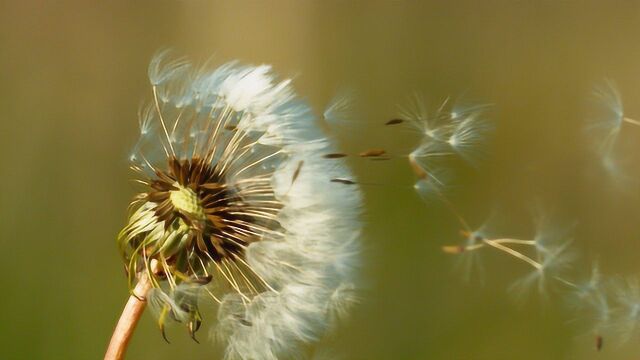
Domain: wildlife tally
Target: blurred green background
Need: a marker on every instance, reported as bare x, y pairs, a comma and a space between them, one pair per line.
73, 73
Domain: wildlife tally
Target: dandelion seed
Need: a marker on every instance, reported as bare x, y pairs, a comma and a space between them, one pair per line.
468, 134
419, 118
340, 109
545, 254
469, 261
453, 249
231, 216
549, 264
433, 183
371, 153
446, 134
467, 252
587, 289
343, 181
334, 156
394, 122
599, 342
589, 299
626, 321
428, 161
606, 123
610, 116
463, 129
552, 255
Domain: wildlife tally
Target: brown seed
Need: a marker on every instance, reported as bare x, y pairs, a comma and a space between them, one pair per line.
334, 156
453, 249
343, 181
157, 196
465, 233
599, 342
211, 186
417, 169
243, 320
202, 280
296, 173
372, 153
394, 122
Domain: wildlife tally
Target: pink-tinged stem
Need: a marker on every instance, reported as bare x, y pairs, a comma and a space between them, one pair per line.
128, 320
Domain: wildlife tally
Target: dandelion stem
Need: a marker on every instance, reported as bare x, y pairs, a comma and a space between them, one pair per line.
485, 242
514, 253
128, 320
515, 241
631, 121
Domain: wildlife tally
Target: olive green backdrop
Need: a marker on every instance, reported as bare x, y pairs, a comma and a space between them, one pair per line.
73, 73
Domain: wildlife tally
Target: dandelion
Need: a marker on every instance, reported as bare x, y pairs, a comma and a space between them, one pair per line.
238, 211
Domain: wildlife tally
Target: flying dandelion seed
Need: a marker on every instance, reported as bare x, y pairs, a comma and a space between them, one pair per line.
605, 307
340, 110
611, 306
589, 300
550, 263
462, 128
626, 319
240, 209
470, 262
606, 123
454, 131
449, 132
547, 253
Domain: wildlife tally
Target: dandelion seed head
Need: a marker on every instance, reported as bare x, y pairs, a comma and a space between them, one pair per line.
239, 210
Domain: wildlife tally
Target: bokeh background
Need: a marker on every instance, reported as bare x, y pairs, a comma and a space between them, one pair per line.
73, 73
